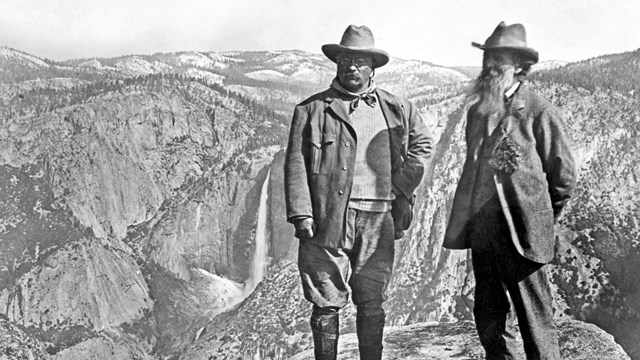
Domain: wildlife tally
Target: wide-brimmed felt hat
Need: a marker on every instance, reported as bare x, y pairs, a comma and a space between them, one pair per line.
358, 40
513, 38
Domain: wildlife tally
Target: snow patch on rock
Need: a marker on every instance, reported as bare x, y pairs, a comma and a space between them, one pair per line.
138, 66
266, 75
548, 65
287, 58
209, 77
202, 60
93, 63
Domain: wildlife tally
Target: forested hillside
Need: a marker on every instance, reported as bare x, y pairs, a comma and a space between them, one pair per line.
617, 72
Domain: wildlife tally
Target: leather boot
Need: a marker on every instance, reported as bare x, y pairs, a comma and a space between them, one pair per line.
369, 327
326, 327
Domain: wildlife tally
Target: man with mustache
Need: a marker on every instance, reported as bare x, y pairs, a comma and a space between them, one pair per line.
355, 156
518, 176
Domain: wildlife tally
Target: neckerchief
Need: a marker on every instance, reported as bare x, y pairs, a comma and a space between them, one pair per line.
368, 96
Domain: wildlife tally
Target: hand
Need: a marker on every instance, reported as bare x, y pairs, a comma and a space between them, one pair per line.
402, 212
305, 228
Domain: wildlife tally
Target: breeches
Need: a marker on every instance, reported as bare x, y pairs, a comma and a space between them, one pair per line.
364, 265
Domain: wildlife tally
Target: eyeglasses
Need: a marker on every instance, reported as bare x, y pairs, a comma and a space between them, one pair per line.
345, 61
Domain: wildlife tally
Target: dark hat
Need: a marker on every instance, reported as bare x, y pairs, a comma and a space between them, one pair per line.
512, 37
358, 40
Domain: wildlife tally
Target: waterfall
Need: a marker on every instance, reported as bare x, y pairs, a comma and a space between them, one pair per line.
236, 293
261, 251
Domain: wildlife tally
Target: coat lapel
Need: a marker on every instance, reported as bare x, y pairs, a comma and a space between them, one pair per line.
339, 109
398, 133
391, 109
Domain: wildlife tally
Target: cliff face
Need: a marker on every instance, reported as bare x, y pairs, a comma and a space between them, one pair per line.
82, 284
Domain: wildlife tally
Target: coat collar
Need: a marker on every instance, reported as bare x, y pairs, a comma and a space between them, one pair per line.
512, 90
335, 104
518, 102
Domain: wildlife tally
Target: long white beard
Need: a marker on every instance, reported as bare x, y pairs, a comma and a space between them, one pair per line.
490, 87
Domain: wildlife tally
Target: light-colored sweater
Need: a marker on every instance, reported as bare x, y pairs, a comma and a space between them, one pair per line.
371, 189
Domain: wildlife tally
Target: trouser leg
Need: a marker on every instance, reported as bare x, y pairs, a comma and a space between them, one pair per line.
325, 326
533, 301
372, 263
507, 283
494, 316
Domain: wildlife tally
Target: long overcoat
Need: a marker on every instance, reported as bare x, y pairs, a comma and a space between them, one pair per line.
533, 195
320, 159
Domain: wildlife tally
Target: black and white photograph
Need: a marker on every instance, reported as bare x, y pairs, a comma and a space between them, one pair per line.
319, 180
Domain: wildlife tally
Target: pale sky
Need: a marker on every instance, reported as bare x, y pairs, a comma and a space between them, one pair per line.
435, 31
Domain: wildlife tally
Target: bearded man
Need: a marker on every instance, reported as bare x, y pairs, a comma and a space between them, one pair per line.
355, 156
518, 176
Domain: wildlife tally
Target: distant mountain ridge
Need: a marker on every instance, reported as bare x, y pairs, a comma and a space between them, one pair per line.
295, 65
290, 76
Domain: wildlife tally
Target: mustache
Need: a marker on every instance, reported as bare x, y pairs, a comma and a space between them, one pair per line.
493, 71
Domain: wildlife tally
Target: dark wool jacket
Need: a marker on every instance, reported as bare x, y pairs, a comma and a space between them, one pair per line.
533, 195
320, 159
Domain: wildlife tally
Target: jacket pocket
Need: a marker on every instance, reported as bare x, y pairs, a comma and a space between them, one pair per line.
322, 154
535, 234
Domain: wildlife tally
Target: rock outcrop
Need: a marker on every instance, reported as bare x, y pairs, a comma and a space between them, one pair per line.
458, 341
263, 328
83, 284
107, 346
